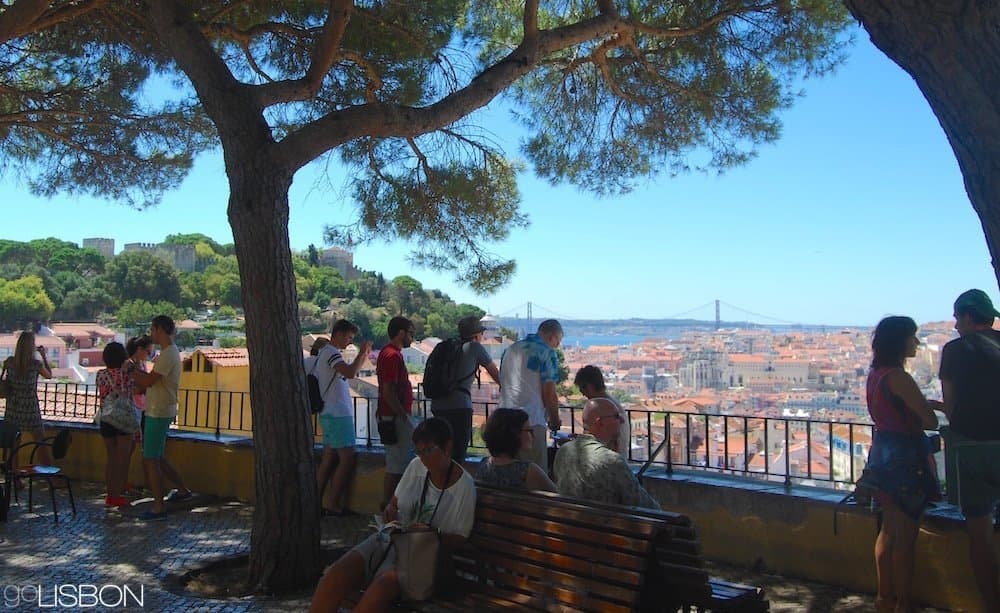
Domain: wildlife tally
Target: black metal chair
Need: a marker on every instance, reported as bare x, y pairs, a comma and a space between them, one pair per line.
51, 474
9, 434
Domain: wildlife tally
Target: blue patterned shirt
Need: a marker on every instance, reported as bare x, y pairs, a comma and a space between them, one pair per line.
525, 366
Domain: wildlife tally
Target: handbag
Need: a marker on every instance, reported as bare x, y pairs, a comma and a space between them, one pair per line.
4, 384
418, 551
387, 431
119, 412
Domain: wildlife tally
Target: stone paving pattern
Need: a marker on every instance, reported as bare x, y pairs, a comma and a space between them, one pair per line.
100, 546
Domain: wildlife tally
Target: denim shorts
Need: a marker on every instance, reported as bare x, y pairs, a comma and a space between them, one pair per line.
338, 432
378, 555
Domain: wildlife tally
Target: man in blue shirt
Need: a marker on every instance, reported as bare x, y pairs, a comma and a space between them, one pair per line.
529, 371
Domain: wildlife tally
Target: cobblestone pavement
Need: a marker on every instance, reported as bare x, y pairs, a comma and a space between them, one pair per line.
107, 547
102, 547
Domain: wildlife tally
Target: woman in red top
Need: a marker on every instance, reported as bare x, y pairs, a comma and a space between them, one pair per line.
898, 458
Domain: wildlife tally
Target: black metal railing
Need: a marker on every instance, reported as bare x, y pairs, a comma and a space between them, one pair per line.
782, 449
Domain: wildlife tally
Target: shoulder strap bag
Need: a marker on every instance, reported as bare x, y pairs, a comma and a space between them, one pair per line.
117, 408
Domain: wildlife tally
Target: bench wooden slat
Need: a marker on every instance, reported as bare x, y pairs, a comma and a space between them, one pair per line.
543, 542
685, 546
679, 558
589, 506
620, 521
582, 565
492, 598
594, 585
514, 522
540, 589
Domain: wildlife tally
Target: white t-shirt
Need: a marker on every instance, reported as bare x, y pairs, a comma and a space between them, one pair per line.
458, 503
161, 398
333, 385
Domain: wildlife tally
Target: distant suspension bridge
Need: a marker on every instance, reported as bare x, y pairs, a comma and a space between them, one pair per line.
531, 314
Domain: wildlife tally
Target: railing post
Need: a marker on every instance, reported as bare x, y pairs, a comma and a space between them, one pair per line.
667, 424
829, 445
767, 448
218, 416
746, 446
809, 448
725, 442
788, 460
850, 453
368, 420
650, 454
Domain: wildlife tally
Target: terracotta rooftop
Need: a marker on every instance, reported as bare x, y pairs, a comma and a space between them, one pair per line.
237, 356
87, 329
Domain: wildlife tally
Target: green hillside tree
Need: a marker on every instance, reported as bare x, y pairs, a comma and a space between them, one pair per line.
136, 314
23, 301
85, 302
140, 275
609, 92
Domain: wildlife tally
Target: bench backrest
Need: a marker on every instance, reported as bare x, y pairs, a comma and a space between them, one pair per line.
547, 551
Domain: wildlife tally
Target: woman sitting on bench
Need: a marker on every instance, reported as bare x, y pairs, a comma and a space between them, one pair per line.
505, 434
449, 505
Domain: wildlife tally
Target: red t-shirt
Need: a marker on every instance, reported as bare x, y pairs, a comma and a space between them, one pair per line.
390, 366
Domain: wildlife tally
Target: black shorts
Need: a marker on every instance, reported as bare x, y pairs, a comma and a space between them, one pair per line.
109, 431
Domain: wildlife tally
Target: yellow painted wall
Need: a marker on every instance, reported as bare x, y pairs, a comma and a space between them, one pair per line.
205, 465
209, 398
767, 528
794, 536
225, 470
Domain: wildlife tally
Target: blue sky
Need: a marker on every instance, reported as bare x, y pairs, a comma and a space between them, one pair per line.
858, 211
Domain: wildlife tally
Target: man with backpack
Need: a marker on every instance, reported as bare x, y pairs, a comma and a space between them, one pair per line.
970, 382
337, 417
448, 376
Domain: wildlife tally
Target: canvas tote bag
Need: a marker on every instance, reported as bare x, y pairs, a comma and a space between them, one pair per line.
418, 551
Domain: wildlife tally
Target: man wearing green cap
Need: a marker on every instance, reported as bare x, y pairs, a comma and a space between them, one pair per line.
970, 382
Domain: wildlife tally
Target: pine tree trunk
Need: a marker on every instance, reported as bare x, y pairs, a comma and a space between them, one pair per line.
285, 536
951, 48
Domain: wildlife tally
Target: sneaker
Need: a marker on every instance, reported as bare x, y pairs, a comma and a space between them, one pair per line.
176, 496
116, 501
153, 516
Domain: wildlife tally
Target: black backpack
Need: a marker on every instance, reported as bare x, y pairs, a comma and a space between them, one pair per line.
316, 401
440, 372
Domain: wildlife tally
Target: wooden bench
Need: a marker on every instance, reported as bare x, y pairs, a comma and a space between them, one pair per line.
679, 574
542, 552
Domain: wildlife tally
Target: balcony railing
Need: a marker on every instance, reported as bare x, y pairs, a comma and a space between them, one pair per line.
781, 449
